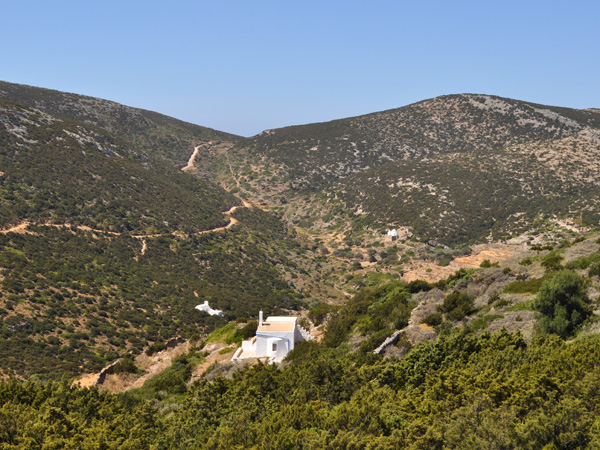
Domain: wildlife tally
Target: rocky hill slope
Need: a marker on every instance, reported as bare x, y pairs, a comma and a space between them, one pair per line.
156, 133
106, 245
455, 168
105, 248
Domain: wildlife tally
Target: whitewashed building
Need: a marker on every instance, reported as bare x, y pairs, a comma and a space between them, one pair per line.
207, 309
393, 234
275, 338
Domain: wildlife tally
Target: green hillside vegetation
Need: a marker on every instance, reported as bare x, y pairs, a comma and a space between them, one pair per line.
454, 168
520, 392
106, 247
156, 133
372, 312
477, 299
436, 198
315, 154
72, 298
462, 391
111, 257
61, 171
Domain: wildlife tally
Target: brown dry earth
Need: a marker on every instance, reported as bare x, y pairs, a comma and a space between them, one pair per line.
431, 272
151, 365
213, 358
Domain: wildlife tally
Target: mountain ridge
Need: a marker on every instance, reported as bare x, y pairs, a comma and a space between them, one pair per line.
450, 171
167, 137
323, 161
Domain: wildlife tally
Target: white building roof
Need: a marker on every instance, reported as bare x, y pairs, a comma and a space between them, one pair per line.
277, 323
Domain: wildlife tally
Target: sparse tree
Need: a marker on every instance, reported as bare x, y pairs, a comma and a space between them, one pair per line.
563, 303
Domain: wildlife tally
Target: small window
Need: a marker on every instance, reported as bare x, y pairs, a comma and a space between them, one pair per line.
274, 346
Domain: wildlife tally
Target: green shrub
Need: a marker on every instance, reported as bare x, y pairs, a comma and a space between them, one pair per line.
433, 320
417, 286
375, 340
482, 322
594, 270
445, 261
530, 286
303, 350
503, 302
563, 303
318, 313
155, 348
171, 380
126, 365
457, 305
583, 263
495, 296
552, 261
455, 278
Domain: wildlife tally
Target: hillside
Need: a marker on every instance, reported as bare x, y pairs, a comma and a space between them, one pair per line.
96, 225
456, 169
107, 243
105, 248
457, 377
155, 133
62, 171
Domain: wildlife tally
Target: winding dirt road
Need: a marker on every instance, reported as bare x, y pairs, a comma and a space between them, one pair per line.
22, 227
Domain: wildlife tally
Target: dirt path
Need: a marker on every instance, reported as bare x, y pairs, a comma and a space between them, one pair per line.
21, 228
237, 182
88, 380
190, 164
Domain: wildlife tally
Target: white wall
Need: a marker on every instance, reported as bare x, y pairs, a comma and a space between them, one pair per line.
264, 344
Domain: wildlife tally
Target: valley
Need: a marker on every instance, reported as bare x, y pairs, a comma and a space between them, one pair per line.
477, 317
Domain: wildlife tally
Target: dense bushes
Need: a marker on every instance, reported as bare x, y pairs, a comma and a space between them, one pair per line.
518, 395
376, 163
55, 415
93, 296
371, 311
70, 173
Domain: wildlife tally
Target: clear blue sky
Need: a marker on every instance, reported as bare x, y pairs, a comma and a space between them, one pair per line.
245, 66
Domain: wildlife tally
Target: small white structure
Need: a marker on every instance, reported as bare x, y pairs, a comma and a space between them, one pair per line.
275, 338
393, 234
213, 312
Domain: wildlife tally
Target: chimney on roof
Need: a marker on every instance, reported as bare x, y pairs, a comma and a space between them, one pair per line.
260, 318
